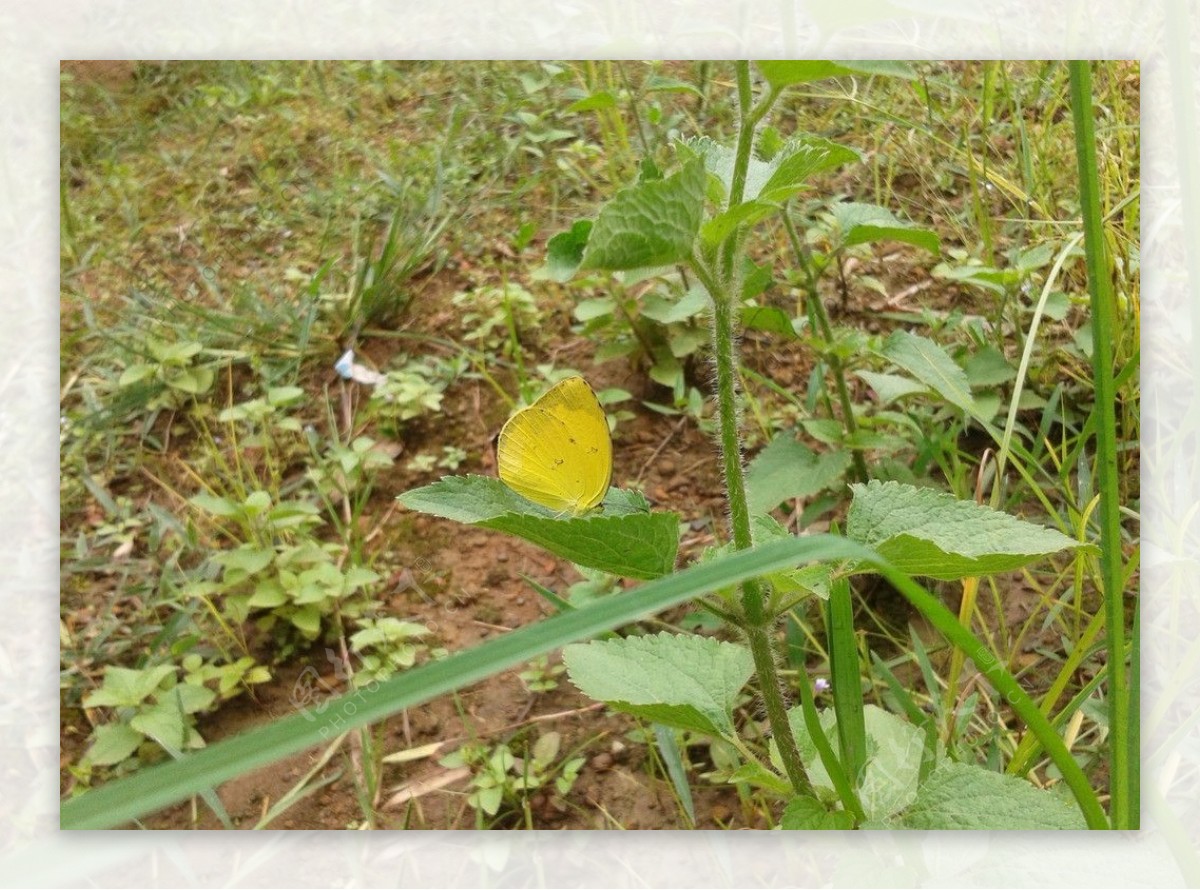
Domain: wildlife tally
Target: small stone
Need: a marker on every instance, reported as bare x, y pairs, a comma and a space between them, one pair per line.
602, 762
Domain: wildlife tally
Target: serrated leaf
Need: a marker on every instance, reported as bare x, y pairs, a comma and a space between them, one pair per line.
652, 223
967, 797
787, 469
926, 532
164, 722
890, 387
809, 814
679, 680
128, 687
193, 697
564, 252
308, 621
799, 160
864, 223
112, 743
930, 364
624, 540
247, 559
640, 546
768, 183
894, 751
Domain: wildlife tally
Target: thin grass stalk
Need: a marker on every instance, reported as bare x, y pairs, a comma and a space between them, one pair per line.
1123, 805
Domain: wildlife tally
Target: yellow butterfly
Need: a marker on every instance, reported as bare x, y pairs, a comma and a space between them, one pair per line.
558, 451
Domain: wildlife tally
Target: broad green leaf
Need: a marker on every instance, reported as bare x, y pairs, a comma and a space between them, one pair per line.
127, 687
193, 697
894, 751
967, 797
217, 506
768, 183
809, 814
564, 252
664, 311
596, 101
625, 540
787, 469
780, 73
284, 395
246, 559
164, 722
652, 223
112, 743
679, 680
864, 223
135, 374
890, 387
930, 364
770, 319
799, 160
193, 381
989, 367
308, 621
926, 532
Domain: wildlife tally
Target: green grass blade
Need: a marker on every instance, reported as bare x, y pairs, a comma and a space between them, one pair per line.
668, 749
1124, 805
845, 680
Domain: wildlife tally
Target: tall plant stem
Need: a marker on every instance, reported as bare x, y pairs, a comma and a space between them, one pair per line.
1124, 806
722, 286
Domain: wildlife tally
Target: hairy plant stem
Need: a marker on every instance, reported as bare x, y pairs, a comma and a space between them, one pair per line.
722, 286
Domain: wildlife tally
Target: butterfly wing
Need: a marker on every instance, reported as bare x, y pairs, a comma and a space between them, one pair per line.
558, 452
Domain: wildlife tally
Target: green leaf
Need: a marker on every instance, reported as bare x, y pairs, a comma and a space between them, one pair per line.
112, 743
635, 546
864, 223
768, 183
770, 319
930, 364
164, 722
193, 697
564, 252
217, 506
127, 687
894, 751
246, 559
780, 74
135, 374
598, 100
890, 387
268, 594
624, 541
652, 223
657, 83
308, 621
664, 311
989, 367
809, 814
926, 532
967, 797
800, 159
280, 396
787, 469
684, 681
